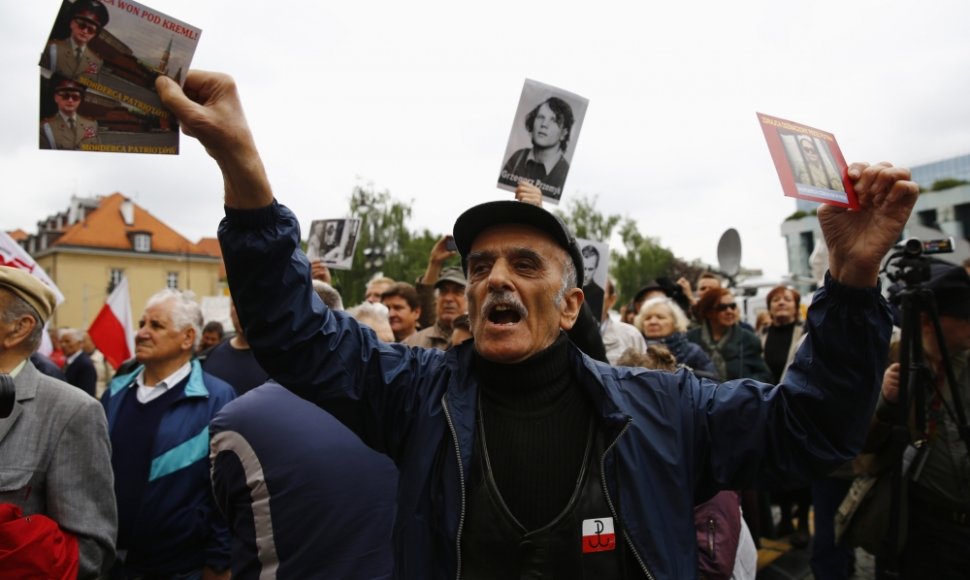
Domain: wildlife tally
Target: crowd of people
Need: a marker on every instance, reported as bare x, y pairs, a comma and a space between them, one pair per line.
478, 422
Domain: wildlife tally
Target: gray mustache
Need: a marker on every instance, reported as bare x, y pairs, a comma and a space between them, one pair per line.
503, 298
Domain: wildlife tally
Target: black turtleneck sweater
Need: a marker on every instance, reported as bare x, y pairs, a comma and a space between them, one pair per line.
536, 419
777, 345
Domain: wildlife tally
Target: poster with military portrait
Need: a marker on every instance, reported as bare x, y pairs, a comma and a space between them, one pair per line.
543, 139
809, 162
333, 242
97, 77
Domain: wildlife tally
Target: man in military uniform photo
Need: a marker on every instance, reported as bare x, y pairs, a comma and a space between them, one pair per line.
66, 129
71, 57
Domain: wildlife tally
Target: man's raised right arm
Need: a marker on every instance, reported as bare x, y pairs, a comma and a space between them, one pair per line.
209, 109
322, 356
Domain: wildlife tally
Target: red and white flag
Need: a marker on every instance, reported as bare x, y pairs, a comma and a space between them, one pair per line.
11, 254
111, 330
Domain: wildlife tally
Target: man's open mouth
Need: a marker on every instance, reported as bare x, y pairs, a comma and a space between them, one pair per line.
505, 313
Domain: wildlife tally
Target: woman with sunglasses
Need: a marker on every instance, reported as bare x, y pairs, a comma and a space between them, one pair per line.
735, 351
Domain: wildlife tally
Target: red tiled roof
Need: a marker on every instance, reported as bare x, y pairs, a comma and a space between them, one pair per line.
212, 247
105, 227
18, 235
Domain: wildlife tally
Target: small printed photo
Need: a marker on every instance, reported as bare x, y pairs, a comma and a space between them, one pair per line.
115, 50
809, 162
543, 139
596, 265
333, 241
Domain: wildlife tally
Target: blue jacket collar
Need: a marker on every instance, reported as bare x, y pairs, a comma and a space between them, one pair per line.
194, 388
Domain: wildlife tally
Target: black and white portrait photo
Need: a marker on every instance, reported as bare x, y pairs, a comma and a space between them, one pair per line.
332, 241
596, 265
543, 139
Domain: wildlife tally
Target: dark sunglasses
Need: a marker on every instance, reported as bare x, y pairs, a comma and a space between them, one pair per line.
723, 307
86, 25
69, 95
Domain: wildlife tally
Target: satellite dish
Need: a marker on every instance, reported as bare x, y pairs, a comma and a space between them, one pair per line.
729, 253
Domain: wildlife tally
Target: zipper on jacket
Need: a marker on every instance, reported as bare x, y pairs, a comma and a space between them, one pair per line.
711, 531
461, 481
609, 501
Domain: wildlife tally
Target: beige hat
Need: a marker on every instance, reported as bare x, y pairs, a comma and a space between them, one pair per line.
30, 289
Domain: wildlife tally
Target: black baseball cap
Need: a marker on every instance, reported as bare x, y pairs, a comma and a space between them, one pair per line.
951, 287
481, 217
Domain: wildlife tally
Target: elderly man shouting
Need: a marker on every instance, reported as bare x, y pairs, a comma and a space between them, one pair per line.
520, 456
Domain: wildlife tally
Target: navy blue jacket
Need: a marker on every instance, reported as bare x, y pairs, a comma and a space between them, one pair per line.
672, 438
303, 496
82, 374
690, 354
188, 530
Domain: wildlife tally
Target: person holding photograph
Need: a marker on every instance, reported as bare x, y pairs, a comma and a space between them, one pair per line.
520, 456
71, 57
543, 164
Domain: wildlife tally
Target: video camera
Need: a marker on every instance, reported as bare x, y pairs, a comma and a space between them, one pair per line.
910, 263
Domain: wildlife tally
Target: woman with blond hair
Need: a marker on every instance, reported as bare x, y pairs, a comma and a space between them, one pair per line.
661, 320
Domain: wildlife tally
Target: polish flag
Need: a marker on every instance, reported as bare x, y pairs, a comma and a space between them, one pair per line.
598, 535
111, 329
14, 256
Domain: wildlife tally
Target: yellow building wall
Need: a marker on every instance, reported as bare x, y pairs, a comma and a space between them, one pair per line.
83, 279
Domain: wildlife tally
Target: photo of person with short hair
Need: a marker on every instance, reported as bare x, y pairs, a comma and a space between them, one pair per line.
551, 119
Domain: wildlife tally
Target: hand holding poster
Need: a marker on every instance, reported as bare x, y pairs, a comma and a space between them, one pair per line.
543, 139
809, 162
333, 242
98, 74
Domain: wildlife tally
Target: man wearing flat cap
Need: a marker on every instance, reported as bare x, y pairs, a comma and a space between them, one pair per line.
520, 456
71, 57
55, 458
66, 129
938, 526
448, 292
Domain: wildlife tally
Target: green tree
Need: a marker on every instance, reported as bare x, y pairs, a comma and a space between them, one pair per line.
639, 259
385, 243
947, 183
586, 221
644, 259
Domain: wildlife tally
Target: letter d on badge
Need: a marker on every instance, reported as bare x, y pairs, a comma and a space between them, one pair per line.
598, 535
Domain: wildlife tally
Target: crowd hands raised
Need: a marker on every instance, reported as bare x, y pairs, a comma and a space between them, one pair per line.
493, 343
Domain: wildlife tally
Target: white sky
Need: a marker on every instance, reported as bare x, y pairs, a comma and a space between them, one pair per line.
418, 98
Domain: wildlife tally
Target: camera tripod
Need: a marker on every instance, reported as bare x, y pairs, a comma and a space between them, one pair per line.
917, 304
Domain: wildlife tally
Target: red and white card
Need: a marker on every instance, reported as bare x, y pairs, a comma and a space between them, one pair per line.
809, 162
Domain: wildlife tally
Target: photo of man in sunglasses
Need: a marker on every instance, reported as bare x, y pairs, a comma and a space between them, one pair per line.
71, 57
66, 129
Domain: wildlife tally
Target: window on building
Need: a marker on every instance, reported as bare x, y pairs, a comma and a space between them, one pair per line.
928, 218
114, 279
142, 242
172, 280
